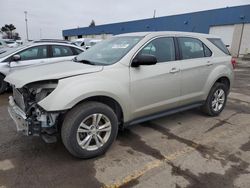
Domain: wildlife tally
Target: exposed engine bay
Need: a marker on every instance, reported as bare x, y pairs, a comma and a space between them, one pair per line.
38, 122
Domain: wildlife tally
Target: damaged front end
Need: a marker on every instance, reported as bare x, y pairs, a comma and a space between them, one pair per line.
29, 117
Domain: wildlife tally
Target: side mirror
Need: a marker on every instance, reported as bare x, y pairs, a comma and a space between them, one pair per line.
16, 57
144, 60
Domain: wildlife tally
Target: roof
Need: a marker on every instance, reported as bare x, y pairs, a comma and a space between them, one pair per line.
171, 33
191, 22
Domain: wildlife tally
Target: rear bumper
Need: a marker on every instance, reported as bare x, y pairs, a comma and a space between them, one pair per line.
18, 116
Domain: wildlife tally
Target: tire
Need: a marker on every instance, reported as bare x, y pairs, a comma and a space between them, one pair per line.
85, 113
3, 84
209, 107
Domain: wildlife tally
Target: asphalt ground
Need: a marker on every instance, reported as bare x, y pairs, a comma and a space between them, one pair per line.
187, 149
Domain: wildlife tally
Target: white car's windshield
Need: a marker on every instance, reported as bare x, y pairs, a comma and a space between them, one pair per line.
7, 51
109, 51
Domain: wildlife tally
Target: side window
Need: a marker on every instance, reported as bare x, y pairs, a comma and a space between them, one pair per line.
38, 52
61, 51
191, 48
162, 48
219, 44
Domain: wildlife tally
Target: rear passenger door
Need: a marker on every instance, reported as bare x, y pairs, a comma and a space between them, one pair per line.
195, 65
61, 53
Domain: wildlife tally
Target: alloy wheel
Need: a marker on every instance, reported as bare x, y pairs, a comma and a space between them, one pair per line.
93, 132
218, 100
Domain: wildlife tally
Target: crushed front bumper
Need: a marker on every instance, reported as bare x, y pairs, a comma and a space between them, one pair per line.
19, 117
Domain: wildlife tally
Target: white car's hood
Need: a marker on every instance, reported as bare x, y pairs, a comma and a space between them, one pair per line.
59, 70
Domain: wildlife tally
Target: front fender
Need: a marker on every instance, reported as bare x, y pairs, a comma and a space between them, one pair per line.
71, 91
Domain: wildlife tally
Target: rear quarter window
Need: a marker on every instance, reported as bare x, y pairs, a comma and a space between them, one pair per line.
219, 44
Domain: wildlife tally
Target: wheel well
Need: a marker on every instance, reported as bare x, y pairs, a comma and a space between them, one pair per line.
224, 80
113, 104
1, 74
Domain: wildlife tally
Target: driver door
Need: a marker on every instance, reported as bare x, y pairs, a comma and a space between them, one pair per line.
31, 56
156, 88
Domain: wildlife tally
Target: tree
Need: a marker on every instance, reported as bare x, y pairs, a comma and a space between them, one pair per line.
92, 24
8, 31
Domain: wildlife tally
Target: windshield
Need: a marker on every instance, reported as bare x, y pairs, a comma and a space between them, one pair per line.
10, 42
109, 51
7, 51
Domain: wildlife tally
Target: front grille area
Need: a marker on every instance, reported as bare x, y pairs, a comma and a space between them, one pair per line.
18, 97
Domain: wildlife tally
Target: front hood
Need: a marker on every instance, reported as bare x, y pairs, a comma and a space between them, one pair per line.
53, 71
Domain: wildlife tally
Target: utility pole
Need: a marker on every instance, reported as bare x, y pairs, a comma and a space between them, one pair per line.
154, 13
40, 33
26, 21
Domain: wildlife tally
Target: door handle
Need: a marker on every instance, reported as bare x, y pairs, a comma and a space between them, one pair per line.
174, 70
209, 63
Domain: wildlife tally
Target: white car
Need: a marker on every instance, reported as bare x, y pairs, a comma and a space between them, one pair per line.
82, 42
3, 44
11, 43
34, 54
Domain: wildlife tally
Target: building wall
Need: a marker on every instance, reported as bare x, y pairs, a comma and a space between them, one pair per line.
237, 37
216, 20
225, 32
194, 22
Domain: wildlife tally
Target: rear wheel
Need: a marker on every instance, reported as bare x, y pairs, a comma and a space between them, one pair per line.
216, 100
3, 84
89, 129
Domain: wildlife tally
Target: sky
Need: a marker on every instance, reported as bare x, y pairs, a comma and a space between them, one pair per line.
47, 18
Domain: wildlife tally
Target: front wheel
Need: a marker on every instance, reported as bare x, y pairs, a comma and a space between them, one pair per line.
89, 129
216, 100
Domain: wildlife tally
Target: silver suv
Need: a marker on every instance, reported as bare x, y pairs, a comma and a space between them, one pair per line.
126, 80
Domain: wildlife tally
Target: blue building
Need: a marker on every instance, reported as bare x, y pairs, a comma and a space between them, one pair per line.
231, 23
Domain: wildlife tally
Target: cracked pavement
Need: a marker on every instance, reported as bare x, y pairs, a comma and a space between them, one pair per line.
187, 149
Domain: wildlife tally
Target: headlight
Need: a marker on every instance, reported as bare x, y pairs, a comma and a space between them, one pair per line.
40, 90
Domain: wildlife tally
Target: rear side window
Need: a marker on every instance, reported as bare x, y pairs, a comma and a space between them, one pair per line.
61, 51
219, 44
191, 48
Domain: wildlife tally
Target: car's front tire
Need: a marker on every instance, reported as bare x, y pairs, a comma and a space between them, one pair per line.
89, 129
3, 84
216, 100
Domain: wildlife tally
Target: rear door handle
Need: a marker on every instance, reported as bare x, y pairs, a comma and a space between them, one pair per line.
209, 63
174, 70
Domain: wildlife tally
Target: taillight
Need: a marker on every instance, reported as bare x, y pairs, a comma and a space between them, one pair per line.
233, 61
